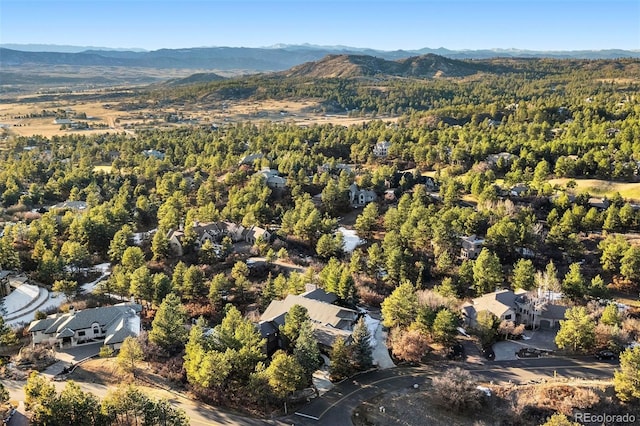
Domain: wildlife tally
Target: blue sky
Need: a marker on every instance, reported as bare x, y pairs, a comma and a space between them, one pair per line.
387, 25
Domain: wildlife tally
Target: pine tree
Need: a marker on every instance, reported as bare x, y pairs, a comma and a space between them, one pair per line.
577, 330
293, 321
524, 275
340, 367
610, 315
445, 327
487, 272
167, 328
361, 352
626, 380
399, 309
285, 374
130, 354
306, 351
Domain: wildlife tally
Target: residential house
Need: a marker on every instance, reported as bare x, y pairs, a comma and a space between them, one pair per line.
500, 303
5, 289
334, 169
250, 159
430, 184
212, 231
381, 149
256, 233
533, 309
360, 197
519, 190
65, 121
599, 203
273, 179
329, 321
471, 247
108, 324
153, 153
505, 157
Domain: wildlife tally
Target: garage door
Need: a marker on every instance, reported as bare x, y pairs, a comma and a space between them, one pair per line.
546, 324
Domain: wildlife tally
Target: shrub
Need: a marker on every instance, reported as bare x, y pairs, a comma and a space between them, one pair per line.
456, 390
106, 352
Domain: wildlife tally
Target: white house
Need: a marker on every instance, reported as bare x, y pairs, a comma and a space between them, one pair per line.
107, 324
360, 197
471, 247
273, 179
381, 149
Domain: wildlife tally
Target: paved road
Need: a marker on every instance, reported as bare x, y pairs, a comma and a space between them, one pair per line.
335, 407
199, 414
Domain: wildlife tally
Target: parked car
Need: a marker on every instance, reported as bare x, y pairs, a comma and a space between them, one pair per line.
456, 352
489, 353
605, 354
530, 353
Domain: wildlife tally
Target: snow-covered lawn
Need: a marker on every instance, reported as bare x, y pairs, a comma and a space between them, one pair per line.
53, 300
381, 356
19, 298
138, 237
351, 239
104, 269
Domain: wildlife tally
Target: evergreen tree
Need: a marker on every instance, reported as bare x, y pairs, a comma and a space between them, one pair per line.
399, 309
293, 321
340, 367
306, 351
365, 223
130, 354
573, 285
161, 287
160, 246
524, 275
361, 352
577, 330
284, 373
626, 380
487, 272
445, 327
610, 315
167, 329
121, 240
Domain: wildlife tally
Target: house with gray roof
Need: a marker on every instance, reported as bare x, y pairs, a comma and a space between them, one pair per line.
107, 324
531, 308
329, 321
212, 231
361, 197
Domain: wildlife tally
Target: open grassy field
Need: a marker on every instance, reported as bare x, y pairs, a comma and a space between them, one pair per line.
602, 188
21, 115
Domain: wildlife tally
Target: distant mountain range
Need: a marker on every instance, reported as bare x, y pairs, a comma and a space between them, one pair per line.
274, 58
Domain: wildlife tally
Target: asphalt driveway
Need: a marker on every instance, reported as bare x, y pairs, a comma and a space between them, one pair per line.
538, 339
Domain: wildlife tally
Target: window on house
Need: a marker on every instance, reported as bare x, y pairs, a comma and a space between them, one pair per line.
81, 333
507, 317
96, 329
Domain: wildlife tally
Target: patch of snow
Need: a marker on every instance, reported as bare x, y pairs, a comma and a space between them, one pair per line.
372, 325
462, 331
19, 298
104, 268
351, 239
54, 300
138, 237
484, 390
